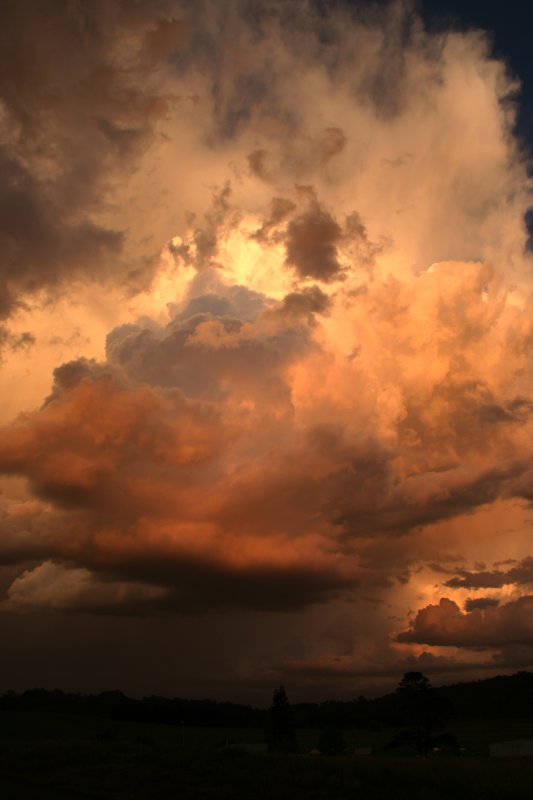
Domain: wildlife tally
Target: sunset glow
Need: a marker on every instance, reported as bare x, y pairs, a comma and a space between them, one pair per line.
267, 333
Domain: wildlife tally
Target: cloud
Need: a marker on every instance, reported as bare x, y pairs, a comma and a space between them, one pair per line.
219, 455
173, 587
14, 342
445, 624
216, 345
494, 579
312, 245
51, 586
146, 494
325, 382
116, 99
25, 535
481, 603
388, 665
75, 119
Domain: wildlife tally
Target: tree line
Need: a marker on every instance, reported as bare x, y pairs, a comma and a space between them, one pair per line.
502, 697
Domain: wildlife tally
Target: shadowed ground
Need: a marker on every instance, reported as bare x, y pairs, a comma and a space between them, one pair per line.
49, 756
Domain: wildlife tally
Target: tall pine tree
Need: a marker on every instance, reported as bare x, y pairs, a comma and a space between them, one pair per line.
280, 735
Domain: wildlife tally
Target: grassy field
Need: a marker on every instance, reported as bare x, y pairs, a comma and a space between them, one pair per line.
48, 756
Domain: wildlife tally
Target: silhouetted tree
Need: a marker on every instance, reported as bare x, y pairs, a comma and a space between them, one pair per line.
280, 735
413, 684
422, 711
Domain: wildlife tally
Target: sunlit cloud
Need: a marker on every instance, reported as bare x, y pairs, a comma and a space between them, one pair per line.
273, 352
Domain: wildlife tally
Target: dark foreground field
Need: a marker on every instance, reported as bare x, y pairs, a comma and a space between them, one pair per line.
51, 756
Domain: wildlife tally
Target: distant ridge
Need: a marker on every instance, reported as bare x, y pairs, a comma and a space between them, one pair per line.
500, 697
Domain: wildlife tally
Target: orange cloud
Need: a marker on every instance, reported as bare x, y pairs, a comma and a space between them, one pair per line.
307, 248
446, 624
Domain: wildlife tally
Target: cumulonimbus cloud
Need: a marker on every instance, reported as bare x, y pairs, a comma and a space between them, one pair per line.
221, 446
343, 357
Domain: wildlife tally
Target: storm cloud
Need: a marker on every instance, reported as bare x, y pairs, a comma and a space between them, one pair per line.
445, 624
267, 304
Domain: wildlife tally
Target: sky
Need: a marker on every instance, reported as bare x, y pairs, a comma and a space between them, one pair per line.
265, 337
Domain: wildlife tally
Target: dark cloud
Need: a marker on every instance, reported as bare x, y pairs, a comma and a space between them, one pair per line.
344, 669
42, 242
246, 84
478, 580
311, 245
481, 603
202, 251
196, 584
152, 585
332, 142
26, 535
312, 237
437, 497
69, 375
280, 209
74, 117
306, 156
310, 300
15, 341
494, 579
256, 162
